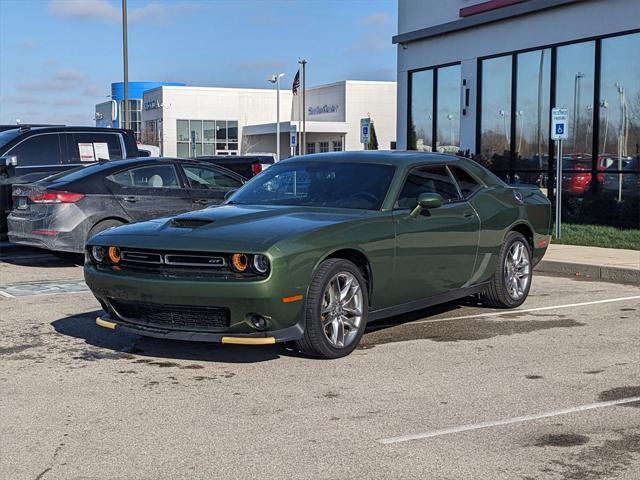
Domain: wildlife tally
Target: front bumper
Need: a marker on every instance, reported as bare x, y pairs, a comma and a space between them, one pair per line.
257, 338
284, 320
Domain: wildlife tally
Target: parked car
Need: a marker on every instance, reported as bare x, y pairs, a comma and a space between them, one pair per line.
316, 246
625, 186
29, 153
61, 212
246, 165
577, 179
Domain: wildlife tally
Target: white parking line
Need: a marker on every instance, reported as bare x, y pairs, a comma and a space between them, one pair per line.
525, 310
7, 295
506, 421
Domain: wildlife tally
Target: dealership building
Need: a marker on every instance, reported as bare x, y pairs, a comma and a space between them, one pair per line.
192, 121
109, 114
482, 78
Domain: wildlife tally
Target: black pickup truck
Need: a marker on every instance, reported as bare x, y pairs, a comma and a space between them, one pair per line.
29, 153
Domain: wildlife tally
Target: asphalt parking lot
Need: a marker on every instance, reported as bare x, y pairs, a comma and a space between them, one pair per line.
551, 390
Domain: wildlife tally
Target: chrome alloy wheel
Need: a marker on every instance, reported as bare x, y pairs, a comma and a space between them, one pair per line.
517, 270
341, 311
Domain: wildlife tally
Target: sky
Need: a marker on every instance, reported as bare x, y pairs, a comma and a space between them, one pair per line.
59, 57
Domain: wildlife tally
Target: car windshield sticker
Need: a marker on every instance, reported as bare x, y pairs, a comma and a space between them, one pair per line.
86, 152
101, 150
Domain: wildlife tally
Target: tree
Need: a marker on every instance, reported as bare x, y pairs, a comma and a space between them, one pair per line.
373, 139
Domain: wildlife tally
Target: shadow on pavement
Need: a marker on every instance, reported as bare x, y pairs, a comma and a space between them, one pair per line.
83, 326
23, 256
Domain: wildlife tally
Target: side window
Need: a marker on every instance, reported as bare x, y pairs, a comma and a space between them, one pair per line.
151, 176
208, 178
432, 178
91, 147
468, 185
38, 150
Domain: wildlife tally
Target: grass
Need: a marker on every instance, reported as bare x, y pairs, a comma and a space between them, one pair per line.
599, 236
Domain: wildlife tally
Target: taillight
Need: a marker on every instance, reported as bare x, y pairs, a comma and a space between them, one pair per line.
256, 168
56, 197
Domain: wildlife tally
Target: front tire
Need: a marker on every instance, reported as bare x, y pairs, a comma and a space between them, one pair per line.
336, 310
510, 284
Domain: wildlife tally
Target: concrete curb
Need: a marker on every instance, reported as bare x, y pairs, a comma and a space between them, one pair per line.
595, 272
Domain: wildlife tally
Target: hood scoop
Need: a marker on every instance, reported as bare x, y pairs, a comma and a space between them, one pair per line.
190, 222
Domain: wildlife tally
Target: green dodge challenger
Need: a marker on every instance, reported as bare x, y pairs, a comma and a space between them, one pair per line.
313, 248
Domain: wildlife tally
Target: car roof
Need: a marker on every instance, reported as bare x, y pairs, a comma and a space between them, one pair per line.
69, 128
401, 158
119, 164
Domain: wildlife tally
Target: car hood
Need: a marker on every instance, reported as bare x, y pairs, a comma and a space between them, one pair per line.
246, 228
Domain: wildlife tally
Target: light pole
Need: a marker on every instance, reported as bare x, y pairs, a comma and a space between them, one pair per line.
576, 107
125, 58
275, 78
503, 114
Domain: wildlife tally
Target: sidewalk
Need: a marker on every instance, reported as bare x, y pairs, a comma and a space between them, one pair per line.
615, 265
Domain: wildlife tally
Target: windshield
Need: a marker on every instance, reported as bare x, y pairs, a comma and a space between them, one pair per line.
319, 184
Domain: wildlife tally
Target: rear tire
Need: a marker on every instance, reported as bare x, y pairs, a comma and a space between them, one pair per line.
336, 310
510, 284
101, 227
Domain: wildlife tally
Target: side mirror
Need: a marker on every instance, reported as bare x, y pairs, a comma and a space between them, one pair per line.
229, 193
9, 161
427, 201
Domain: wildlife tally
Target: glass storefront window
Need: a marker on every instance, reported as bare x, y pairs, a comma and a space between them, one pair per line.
448, 116
195, 130
221, 134
209, 131
532, 110
619, 126
495, 119
183, 131
206, 137
232, 131
421, 111
183, 150
574, 89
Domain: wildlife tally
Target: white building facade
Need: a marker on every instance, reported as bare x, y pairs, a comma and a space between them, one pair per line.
193, 121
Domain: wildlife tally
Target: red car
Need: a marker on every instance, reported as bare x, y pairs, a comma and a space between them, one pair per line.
576, 182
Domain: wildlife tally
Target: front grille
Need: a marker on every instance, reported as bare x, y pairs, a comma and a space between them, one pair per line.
171, 263
175, 317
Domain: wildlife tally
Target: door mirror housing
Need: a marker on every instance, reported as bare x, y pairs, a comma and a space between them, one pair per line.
9, 161
427, 201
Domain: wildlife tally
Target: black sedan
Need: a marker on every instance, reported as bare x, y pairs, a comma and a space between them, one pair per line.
61, 212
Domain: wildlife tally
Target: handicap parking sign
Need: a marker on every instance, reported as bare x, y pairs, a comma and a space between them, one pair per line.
559, 119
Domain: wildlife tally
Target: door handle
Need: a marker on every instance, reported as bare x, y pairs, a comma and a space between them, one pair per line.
469, 215
201, 201
130, 199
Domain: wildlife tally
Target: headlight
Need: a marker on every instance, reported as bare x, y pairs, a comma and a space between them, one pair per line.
260, 264
98, 253
239, 262
114, 254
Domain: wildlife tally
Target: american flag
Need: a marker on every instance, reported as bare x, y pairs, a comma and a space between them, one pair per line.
296, 83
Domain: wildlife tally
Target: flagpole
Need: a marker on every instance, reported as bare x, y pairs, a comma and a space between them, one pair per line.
303, 62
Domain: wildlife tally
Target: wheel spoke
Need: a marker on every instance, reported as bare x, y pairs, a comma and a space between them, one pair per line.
345, 290
356, 312
351, 295
327, 321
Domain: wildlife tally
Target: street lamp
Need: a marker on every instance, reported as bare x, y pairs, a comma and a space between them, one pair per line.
275, 78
